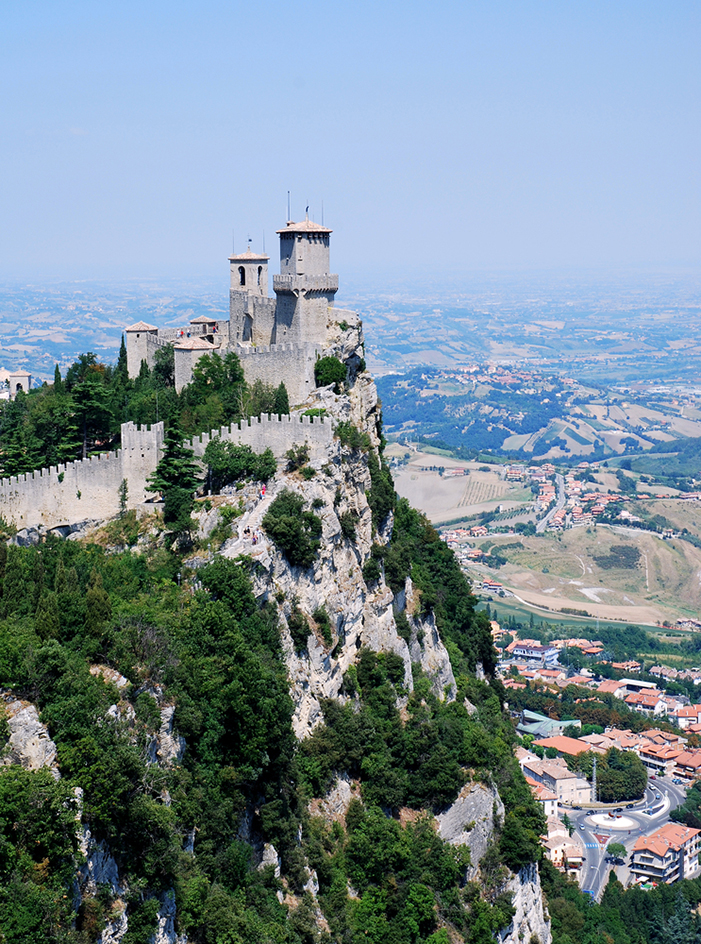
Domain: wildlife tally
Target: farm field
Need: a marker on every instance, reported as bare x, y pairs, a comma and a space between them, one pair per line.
446, 497
572, 570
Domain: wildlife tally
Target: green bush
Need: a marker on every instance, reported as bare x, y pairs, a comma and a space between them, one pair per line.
321, 618
298, 625
381, 496
228, 462
297, 457
371, 571
348, 521
295, 531
329, 370
351, 436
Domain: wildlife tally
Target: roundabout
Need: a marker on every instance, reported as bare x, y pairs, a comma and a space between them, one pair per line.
612, 822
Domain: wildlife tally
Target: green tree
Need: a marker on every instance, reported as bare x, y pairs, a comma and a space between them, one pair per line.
176, 478
329, 370
296, 532
281, 406
98, 607
47, 622
616, 850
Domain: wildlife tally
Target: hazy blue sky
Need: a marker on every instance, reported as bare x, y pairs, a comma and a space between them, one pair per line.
440, 136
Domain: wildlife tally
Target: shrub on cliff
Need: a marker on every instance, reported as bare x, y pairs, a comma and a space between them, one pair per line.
228, 462
329, 370
295, 531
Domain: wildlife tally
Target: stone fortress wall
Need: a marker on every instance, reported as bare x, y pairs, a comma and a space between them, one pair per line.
89, 488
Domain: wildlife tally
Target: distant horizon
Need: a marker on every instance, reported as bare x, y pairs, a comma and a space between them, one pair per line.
361, 279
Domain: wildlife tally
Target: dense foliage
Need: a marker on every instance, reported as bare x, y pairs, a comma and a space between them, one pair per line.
296, 531
417, 551
620, 775
330, 370
690, 810
660, 916
82, 413
228, 462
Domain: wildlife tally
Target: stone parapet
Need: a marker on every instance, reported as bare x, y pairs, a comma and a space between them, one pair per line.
305, 283
89, 488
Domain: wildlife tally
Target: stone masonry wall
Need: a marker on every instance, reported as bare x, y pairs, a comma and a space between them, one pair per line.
89, 488
278, 434
293, 363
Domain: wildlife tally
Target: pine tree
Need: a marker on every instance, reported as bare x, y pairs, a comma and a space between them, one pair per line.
282, 401
176, 478
37, 579
58, 381
47, 622
121, 371
15, 600
98, 608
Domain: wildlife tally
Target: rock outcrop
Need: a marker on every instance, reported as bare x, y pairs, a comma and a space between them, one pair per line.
29, 743
531, 922
470, 821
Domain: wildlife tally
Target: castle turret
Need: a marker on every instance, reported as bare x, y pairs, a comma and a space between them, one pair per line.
249, 284
305, 288
142, 344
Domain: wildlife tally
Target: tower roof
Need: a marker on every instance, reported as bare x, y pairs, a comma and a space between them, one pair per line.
141, 326
194, 344
306, 226
248, 256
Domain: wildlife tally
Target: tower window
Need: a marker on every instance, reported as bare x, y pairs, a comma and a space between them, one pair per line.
242, 275
260, 272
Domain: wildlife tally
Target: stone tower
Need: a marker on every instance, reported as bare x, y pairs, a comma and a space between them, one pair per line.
249, 319
305, 288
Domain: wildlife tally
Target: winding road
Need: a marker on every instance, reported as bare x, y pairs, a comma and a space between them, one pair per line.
661, 796
559, 503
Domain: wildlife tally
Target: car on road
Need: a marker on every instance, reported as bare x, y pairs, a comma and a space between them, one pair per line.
653, 777
618, 809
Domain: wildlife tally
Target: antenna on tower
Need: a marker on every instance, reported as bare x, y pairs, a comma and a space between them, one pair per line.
289, 214
307, 211
249, 243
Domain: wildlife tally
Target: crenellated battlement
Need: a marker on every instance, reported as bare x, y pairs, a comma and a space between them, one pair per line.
89, 488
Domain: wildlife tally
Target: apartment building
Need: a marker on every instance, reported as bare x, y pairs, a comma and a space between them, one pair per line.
668, 855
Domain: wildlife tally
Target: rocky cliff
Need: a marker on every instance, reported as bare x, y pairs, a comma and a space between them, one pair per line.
304, 842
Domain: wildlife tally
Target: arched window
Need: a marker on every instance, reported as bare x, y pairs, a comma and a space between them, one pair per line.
18, 387
242, 275
260, 272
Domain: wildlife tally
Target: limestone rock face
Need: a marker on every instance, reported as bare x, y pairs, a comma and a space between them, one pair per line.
29, 744
531, 922
165, 927
433, 657
171, 746
99, 868
334, 806
359, 615
470, 821
115, 929
270, 857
